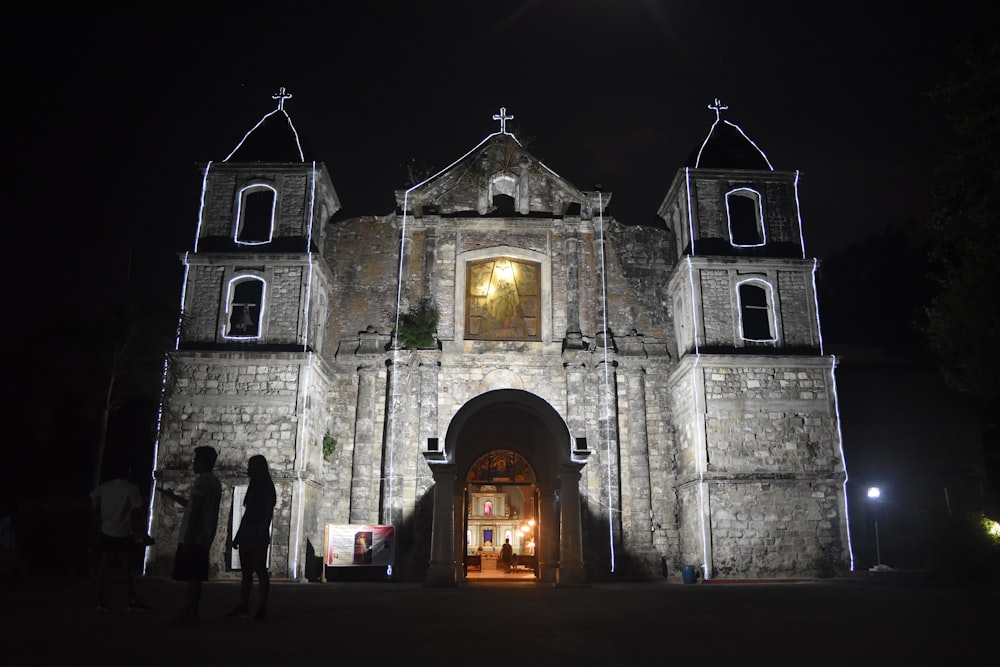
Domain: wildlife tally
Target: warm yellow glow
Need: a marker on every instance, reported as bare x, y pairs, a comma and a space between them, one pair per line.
505, 270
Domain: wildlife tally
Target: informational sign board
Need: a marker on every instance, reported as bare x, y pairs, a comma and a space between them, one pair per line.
359, 545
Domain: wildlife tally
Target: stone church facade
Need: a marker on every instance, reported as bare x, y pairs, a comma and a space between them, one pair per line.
647, 397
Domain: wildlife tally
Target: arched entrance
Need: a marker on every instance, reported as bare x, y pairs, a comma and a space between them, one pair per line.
524, 424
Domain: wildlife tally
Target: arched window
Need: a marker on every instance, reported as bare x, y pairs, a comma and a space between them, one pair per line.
244, 307
255, 214
756, 312
746, 217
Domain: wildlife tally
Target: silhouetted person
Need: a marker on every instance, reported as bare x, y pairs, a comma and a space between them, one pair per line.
117, 501
201, 518
507, 555
253, 537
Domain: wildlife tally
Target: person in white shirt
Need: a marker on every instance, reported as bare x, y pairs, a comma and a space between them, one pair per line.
118, 501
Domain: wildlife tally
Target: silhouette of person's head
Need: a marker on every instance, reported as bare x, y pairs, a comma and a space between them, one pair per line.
257, 468
204, 458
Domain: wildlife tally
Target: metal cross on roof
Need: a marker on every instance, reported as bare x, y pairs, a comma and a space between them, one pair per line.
718, 107
503, 118
281, 96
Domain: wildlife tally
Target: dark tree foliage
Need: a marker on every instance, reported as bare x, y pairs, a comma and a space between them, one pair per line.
874, 293
963, 318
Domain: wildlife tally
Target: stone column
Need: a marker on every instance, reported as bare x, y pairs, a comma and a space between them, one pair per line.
636, 493
576, 395
574, 338
394, 459
428, 370
548, 535
367, 462
608, 449
442, 566
571, 569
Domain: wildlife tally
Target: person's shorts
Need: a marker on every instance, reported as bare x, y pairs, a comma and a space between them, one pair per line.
253, 556
191, 564
116, 545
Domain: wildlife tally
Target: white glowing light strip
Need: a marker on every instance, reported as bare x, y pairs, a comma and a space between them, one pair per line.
469, 152
229, 303
156, 459
472, 150
309, 260
759, 201
694, 308
687, 184
607, 387
697, 162
701, 442
798, 215
772, 308
843, 459
819, 328
180, 317
300, 464
298, 144
201, 206
394, 371
740, 130
159, 410
239, 213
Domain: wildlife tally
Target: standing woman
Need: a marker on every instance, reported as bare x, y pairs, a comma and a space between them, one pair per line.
254, 536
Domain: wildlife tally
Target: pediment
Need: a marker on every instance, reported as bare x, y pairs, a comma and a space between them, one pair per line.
499, 178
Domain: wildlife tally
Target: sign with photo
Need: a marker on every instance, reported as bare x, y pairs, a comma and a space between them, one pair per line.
359, 545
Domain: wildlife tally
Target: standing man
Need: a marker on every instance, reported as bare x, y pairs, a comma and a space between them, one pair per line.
201, 518
507, 556
117, 501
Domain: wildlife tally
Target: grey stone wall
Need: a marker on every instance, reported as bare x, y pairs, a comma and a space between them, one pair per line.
290, 181
775, 528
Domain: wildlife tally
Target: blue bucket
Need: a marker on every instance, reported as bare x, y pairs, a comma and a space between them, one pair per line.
688, 574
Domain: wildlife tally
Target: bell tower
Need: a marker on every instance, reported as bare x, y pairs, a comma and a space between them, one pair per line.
753, 392
248, 363
255, 279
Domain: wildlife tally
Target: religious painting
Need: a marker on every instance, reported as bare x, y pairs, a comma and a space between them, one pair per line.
501, 465
503, 300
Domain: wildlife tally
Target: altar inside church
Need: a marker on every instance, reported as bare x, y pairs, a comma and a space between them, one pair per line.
497, 514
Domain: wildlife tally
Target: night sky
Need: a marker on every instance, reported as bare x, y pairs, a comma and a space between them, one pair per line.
111, 118
115, 115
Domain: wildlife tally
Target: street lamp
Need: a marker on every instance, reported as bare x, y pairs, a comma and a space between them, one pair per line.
873, 495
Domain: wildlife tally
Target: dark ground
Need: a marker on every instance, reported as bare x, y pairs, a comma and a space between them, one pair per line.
862, 621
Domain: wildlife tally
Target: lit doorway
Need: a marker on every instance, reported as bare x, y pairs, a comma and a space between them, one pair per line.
501, 507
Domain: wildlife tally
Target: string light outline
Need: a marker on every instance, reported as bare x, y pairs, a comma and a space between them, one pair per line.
702, 450
798, 215
281, 96
843, 457
759, 204
309, 257
771, 307
230, 295
607, 387
718, 107
240, 200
